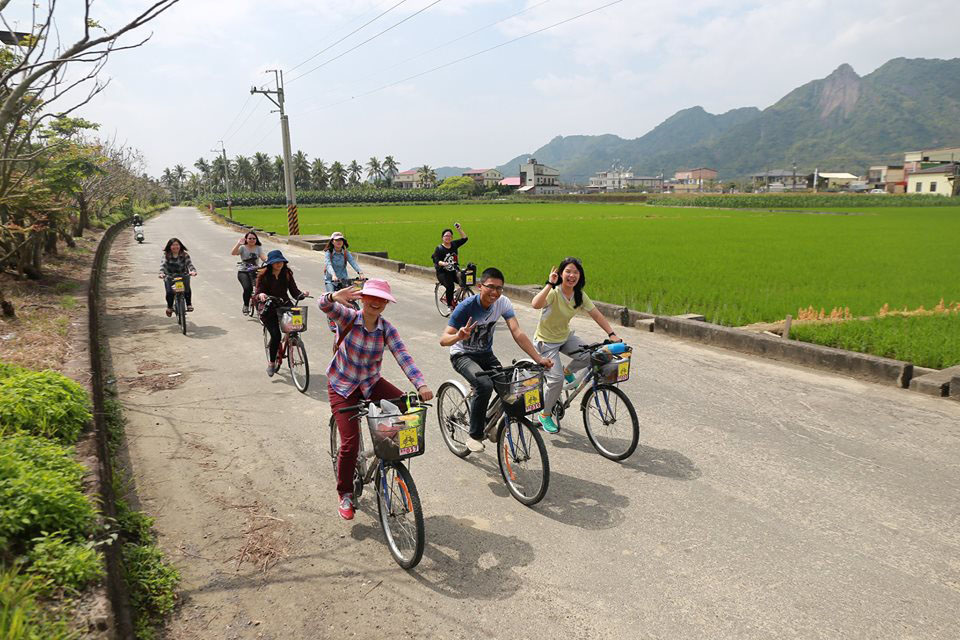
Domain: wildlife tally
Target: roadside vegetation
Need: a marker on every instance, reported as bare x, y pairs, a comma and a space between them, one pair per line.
803, 200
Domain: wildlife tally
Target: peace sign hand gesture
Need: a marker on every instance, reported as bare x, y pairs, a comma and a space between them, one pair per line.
554, 276
464, 332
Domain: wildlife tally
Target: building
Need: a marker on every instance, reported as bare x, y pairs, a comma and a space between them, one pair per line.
890, 178
941, 179
835, 180
486, 178
699, 176
617, 179
779, 180
915, 160
536, 178
407, 180
513, 182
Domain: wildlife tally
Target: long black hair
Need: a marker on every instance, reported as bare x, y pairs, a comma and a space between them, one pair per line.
577, 288
166, 249
251, 233
266, 275
346, 245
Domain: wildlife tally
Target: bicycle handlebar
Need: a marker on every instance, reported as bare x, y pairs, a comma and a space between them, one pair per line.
516, 365
596, 345
361, 408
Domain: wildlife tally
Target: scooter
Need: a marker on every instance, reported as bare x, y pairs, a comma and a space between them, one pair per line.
138, 233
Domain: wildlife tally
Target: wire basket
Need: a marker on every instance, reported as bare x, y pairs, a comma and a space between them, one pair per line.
177, 284
468, 277
293, 320
399, 437
610, 368
520, 390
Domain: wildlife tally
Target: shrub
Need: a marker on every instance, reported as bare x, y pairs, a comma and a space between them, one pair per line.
152, 583
59, 562
21, 618
43, 403
340, 196
40, 491
7, 369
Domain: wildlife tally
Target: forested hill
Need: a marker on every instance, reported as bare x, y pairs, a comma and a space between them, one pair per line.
843, 122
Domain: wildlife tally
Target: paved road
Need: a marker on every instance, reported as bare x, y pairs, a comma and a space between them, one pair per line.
765, 500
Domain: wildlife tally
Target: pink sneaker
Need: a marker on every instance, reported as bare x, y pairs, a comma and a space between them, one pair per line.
346, 506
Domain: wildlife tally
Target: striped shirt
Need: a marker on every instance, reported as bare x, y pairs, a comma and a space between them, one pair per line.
357, 361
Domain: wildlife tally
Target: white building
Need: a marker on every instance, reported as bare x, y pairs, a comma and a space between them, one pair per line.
617, 179
536, 178
940, 179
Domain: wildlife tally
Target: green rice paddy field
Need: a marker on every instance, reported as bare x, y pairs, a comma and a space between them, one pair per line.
734, 266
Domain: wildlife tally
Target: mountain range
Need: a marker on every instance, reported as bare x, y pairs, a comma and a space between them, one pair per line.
843, 122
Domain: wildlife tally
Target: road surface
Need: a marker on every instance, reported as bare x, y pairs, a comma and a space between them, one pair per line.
764, 501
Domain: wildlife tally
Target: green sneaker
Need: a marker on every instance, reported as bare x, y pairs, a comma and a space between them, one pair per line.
548, 424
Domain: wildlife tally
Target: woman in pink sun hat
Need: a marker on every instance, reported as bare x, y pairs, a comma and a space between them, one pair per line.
354, 373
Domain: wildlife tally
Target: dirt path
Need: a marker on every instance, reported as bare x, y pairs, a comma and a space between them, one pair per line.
764, 501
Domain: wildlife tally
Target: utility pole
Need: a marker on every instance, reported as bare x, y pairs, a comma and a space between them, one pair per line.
226, 178
293, 224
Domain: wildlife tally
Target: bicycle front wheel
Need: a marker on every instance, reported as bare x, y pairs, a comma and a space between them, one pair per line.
299, 366
400, 514
440, 297
611, 422
523, 462
182, 313
465, 293
266, 343
453, 412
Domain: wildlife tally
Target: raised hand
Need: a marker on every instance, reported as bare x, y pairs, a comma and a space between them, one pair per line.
554, 276
347, 295
464, 332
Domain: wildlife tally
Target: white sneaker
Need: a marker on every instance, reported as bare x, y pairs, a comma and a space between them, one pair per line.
246, 310
475, 446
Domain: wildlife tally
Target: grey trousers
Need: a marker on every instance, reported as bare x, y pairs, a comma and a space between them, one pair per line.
554, 376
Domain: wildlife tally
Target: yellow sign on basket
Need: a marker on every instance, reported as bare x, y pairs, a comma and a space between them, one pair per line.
407, 439
178, 286
296, 320
623, 371
531, 400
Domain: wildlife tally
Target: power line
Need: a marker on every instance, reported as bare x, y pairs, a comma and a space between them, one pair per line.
349, 34
464, 58
246, 102
240, 126
371, 38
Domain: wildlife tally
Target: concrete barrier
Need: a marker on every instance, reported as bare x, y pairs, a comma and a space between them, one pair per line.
955, 388
613, 312
859, 365
631, 318
936, 383
382, 262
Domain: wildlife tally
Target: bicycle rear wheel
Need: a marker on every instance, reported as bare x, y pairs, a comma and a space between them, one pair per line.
298, 363
440, 297
611, 422
453, 413
335, 452
464, 293
400, 514
523, 462
181, 305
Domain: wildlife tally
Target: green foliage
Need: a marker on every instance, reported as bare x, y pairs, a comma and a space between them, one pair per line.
736, 267
804, 200
927, 341
8, 369
43, 403
40, 490
152, 583
335, 196
21, 618
458, 184
61, 563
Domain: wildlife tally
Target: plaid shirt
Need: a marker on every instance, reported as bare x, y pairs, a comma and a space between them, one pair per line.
357, 362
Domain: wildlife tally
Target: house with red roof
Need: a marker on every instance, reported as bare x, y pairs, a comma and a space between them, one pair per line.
486, 178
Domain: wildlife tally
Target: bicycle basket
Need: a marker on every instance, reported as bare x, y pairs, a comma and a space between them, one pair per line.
611, 368
468, 277
294, 319
178, 285
399, 437
521, 391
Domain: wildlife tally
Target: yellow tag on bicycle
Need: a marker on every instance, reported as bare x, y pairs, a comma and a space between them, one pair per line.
296, 320
623, 371
408, 441
531, 400
178, 285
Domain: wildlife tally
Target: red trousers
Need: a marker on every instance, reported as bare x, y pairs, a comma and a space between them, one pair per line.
349, 427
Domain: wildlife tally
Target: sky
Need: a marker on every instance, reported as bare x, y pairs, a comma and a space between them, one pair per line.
622, 69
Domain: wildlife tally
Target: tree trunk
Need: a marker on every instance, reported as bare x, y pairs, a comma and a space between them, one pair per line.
50, 243
66, 237
29, 261
5, 307
83, 219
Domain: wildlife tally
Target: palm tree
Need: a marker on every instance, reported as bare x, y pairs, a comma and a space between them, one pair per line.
374, 170
355, 171
338, 176
180, 174
194, 185
301, 170
318, 174
390, 168
203, 167
168, 181
244, 174
428, 177
262, 171
278, 172
219, 168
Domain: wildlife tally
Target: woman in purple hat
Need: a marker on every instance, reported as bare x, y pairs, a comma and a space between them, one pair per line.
354, 373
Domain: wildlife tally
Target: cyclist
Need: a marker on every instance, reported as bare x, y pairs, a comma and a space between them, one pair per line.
469, 334
176, 262
446, 258
354, 373
275, 280
336, 257
553, 336
251, 255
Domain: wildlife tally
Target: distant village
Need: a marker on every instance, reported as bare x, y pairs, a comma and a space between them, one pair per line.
928, 171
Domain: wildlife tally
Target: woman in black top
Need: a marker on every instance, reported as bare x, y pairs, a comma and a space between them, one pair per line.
446, 260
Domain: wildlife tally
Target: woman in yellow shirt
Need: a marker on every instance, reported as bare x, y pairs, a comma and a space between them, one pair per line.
561, 298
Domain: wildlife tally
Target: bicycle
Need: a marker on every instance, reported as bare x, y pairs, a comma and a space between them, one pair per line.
396, 439
608, 434
462, 290
252, 309
521, 453
179, 300
293, 322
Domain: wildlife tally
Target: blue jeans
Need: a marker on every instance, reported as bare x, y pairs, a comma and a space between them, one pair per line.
469, 365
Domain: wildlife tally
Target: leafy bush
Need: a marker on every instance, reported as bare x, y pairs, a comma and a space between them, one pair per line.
40, 491
363, 194
59, 562
43, 403
152, 583
7, 369
21, 618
